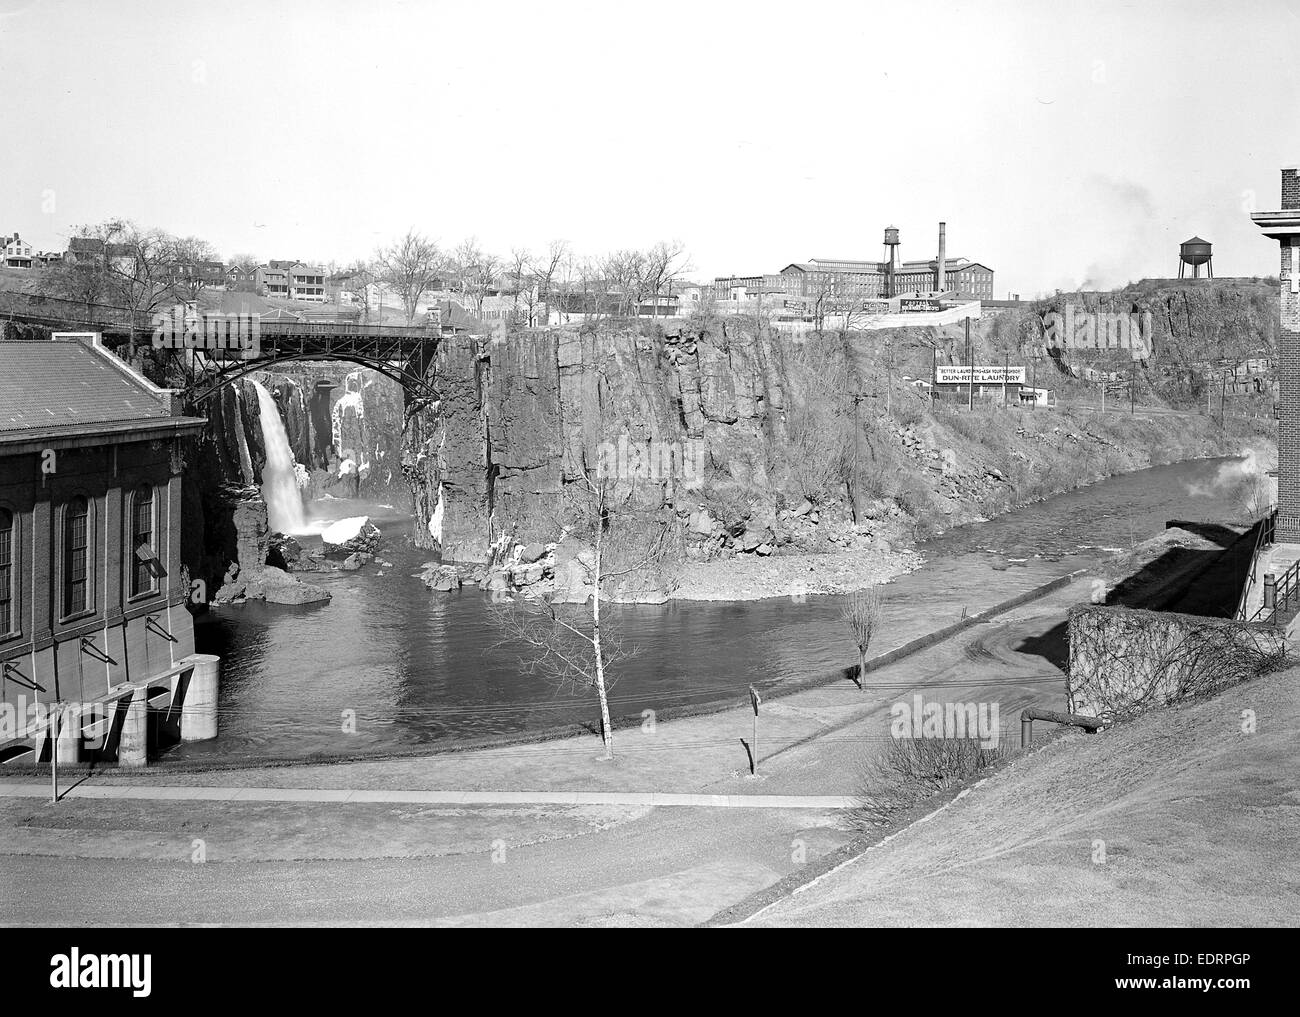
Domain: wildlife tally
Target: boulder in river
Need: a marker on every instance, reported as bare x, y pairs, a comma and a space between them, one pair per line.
276, 586
532, 552
349, 536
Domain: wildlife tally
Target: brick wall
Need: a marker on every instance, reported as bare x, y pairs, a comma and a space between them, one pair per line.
1288, 437
1291, 188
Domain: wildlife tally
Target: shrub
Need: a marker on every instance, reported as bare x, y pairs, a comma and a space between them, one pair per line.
909, 770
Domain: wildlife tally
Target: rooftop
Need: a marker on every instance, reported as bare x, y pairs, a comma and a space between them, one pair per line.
72, 387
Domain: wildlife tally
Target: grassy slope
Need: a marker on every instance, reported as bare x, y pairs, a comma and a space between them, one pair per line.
1200, 825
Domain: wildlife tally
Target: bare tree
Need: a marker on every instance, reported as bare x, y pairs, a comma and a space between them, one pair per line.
138, 267
410, 267
476, 273
187, 254
862, 613
520, 268
663, 263
625, 272
358, 279
571, 646
550, 271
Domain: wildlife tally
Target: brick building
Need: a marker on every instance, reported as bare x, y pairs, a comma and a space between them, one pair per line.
1283, 226
92, 599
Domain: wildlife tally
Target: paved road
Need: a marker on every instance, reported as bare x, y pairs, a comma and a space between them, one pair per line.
672, 866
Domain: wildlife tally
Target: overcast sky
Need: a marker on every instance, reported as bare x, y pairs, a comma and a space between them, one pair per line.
1064, 143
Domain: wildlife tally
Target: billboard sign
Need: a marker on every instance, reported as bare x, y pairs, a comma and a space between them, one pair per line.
949, 375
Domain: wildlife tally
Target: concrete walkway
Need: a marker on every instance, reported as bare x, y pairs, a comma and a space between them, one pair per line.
343, 796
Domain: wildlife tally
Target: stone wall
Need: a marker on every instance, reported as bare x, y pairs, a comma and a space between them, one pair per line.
1125, 661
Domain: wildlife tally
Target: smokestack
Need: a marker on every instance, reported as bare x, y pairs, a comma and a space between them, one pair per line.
943, 252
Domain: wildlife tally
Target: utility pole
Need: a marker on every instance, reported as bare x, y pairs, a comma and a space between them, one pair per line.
970, 359
54, 752
1034, 404
1006, 358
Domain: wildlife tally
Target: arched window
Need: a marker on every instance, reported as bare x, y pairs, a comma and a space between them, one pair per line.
7, 547
144, 553
76, 557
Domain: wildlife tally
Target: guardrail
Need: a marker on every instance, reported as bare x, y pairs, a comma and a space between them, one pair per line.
1263, 538
1279, 596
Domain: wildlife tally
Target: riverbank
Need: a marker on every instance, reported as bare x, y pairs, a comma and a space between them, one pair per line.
786, 575
969, 468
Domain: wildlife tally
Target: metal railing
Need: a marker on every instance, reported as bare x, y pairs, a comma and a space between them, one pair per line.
1286, 592
1263, 538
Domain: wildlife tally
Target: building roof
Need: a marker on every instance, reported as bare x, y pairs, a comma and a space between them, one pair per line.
74, 387
86, 245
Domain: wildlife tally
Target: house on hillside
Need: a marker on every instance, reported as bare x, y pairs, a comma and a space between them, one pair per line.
17, 252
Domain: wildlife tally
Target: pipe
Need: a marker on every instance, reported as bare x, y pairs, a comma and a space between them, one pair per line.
1033, 713
943, 252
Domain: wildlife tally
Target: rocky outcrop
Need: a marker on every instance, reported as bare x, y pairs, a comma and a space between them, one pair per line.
248, 576
521, 418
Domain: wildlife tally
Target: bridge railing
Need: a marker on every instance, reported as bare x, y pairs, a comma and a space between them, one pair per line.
63, 311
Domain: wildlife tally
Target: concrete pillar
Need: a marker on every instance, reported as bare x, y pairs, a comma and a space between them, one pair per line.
133, 745
199, 708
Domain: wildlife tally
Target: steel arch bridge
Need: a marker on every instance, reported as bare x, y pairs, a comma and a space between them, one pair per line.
399, 352
210, 351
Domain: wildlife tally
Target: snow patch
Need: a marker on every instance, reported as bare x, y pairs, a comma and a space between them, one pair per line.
343, 530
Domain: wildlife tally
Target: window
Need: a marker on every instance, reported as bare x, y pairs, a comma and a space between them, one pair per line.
7, 544
76, 557
144, 554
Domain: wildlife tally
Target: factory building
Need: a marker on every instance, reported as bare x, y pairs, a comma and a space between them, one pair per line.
843, 278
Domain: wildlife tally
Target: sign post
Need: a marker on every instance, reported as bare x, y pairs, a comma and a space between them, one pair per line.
970, 358
54, 753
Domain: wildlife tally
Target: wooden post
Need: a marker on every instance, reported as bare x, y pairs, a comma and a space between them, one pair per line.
754, 700
1006, 358
970, 359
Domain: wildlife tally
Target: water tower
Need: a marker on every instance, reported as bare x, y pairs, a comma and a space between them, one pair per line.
1195, 252
891, 260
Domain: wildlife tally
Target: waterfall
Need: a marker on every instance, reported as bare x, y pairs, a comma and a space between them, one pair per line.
279, 476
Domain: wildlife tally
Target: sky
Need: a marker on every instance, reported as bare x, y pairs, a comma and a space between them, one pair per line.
1064, 143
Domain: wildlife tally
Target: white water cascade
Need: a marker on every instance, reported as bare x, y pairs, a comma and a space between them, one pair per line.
279, 476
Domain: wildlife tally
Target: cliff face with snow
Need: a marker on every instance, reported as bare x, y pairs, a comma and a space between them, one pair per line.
522, 417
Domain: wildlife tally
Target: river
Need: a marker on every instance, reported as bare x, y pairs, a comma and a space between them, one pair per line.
401, 667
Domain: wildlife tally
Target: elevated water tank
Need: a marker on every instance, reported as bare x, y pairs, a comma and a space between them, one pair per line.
1195, 251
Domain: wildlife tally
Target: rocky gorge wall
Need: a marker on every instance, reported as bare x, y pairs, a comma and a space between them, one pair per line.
735, 445
669, 418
